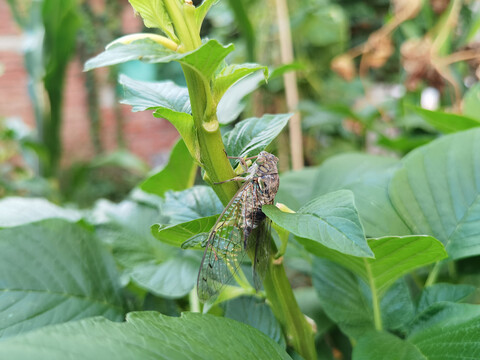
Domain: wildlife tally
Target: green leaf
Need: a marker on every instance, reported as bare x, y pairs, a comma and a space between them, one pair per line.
437, 192
176, 235
16, 211
125, 227
471, 102
256, 313
168, 101
178, 174
330, 220
204, 60
367, 176
233, 73
202, 10
232, 103
347, 300
382, 345
405, 143
394, 257
443, 292
191, 204
145, 335
54, 271
296, 187
448, 331
154, 15
396, 306
152, 265
253, 135
283, 69
342, 298
145, 49
446, 122
173, 278
147, 95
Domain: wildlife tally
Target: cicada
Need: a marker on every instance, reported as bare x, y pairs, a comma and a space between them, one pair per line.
231, 237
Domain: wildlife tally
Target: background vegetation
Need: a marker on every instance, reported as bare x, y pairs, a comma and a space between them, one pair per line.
387, 267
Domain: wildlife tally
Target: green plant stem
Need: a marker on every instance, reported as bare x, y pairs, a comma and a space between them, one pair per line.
432, 276
298, 331
212, 151
177, 16
377, 316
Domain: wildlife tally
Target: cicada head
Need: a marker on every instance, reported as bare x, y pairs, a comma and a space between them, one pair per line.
266, 158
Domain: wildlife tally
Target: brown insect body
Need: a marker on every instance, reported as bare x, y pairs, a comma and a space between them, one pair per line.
230, 237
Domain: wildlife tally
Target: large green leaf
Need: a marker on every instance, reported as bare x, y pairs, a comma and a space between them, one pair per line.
296, 187
367, 176
16, 211
327, 221
341, 296
448, 331
152, 265
447, 122
382, 345
253, 135
347, 300
125, 227
437, 192
178, 174
154, 15
255, 312
394, 257
445, 331
54, 271
204, 60
145, 335
443, 292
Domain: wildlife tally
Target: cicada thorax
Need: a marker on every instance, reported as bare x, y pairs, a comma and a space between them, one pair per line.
261, 191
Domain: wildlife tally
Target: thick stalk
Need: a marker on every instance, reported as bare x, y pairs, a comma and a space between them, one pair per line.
377, 315
217, 168
212, 152
298, 331
432, 276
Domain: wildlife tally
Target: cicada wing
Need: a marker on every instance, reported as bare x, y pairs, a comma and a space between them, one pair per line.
223, 252
263, 244
258, 233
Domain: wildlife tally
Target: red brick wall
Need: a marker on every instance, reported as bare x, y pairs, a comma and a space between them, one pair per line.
146, 136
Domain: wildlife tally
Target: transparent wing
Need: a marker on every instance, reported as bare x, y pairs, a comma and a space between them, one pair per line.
224, 250
262, 242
